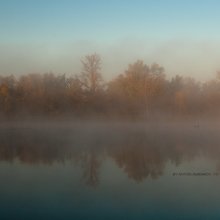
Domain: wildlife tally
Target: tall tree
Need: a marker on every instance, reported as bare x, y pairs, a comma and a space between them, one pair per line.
91, 73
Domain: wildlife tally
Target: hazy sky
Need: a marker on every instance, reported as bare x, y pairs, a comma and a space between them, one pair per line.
53, 35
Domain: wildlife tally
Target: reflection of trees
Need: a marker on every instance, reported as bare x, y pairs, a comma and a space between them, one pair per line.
138, 159
140, 163
140, 154
30, 148
91, 165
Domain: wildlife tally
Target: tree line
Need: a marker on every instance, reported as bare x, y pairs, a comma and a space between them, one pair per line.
141, 91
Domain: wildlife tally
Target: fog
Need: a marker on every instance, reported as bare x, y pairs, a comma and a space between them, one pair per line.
109, 109
141, 150
195, 58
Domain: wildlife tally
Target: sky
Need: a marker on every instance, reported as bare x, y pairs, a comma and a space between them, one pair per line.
54, 35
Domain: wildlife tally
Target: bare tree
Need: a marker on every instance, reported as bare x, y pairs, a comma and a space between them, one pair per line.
91, 73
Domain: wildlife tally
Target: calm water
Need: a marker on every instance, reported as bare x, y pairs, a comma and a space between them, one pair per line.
102, 171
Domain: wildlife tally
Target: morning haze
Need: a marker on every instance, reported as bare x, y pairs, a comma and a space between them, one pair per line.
53, 36
109, 109
198, 59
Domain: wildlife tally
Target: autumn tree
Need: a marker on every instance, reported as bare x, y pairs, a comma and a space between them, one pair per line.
76, 95
185, 97
211, 94
55, 88
128, 90
139, 87
30, 93
8, 96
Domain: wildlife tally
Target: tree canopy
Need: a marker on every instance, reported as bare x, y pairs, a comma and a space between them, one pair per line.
142, 89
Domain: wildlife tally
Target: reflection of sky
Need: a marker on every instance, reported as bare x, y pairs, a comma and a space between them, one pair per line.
57, 191
54, 35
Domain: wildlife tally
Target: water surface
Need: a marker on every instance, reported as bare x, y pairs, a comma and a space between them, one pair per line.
109, 171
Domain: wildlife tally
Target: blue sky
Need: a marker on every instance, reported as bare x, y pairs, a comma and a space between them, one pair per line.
52, 35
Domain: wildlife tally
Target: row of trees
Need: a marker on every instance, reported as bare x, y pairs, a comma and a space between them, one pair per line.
141, 91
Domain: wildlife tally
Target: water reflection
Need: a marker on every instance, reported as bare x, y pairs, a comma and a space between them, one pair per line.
141, 152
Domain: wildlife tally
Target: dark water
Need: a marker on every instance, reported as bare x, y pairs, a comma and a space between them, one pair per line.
102, 171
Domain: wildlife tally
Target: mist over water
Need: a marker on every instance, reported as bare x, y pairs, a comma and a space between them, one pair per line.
109, 110
49, 142
90, 169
